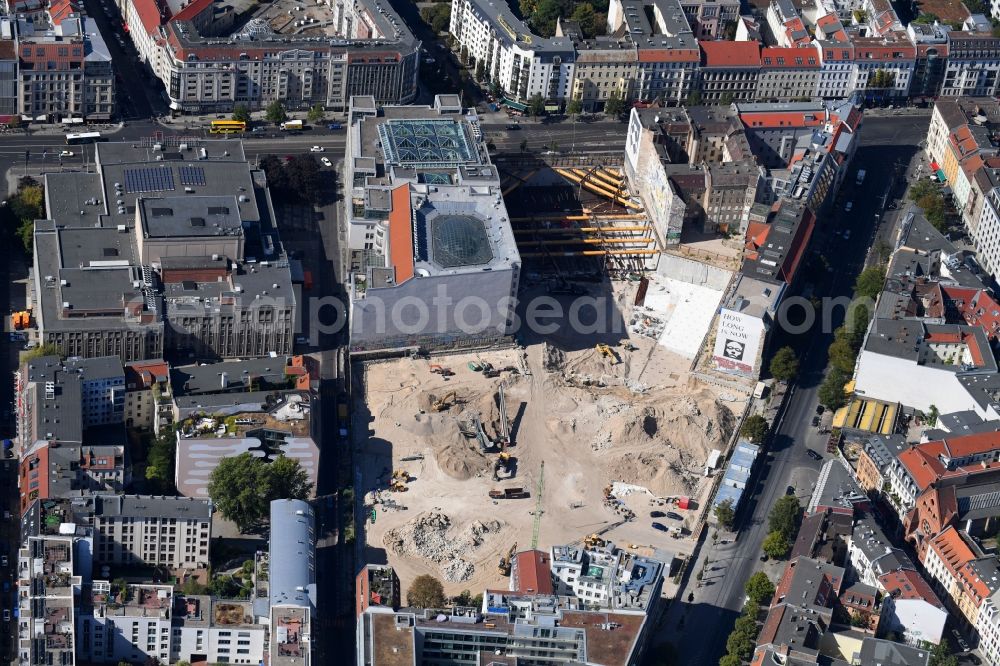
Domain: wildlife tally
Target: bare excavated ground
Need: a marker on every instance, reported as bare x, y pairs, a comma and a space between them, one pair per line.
637, 419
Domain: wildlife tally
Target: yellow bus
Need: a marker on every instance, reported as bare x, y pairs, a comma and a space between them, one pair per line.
228, 126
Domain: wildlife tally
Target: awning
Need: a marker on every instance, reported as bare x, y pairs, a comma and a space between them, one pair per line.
517, 106
934, 166
940, 174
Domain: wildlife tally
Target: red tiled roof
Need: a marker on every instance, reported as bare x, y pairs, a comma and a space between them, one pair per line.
192, 10
976, 306
60, 9
401, 234
908, 584
149, 14
533, 572
967, 445
730, 54
778, 119
669, 55
791, 57
922, 463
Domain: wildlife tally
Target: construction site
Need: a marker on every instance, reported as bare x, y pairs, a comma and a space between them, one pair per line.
577, 220
469, 457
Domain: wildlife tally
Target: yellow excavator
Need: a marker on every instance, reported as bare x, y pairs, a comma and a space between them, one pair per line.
444, 403
503, 567
503, 462
606, 352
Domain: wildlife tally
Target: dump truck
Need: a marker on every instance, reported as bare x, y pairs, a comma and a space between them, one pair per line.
508, 493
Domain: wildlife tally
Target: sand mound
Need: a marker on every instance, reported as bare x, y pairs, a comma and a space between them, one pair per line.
432, 536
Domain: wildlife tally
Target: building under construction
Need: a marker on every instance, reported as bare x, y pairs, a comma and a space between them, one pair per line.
586, 223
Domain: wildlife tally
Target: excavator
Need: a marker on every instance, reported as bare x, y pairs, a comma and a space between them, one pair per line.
444, 403
505, 462
503, 567
397, 483
606, 352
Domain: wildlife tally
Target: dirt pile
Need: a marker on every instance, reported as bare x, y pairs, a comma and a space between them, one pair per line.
432, 536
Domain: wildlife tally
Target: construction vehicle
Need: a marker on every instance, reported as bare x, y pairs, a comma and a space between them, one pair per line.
397, 486
605, 351
443, 403
20, 320
438, 370
506, 560
629, 347
475, 367
401, 475
503, 462
508, 493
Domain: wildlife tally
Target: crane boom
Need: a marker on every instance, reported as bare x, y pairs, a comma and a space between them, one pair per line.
538, 507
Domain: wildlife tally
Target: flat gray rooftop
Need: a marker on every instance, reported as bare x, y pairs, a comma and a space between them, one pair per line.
190, 216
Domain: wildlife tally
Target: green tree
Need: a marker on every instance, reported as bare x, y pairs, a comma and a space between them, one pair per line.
842, 355
941, 655
776, 545
755, 428
160, 463
536, 105
882, 79
615, 105
870, 281
785, 365
726, 99
784, 516
243, 486
574, 107
46, 349
759, 588
425, 591
730, 659
241, 112
437, 16
275, 112
694, 99
584, 14
831, 391
316, 113
725, 514
740, 645
496, 89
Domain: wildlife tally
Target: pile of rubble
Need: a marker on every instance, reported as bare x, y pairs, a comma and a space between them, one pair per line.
432, 536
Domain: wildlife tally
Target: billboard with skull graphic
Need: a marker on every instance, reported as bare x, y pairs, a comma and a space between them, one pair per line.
737, 343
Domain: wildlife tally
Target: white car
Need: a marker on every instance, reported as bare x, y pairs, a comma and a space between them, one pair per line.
66, 153
326, 162
317, 149
849, 206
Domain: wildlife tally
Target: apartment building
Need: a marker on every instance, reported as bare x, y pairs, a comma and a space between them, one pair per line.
788, 74
728, 71
47, 587
533, 621
973, 67
63, 67
59, 469
178, 257
127, 623
212, 630
173, 532
147, 392
77, 401
207, 63
292, 582
606, 69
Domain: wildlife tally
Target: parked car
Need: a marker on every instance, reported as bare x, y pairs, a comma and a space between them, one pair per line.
657, 514
660, 526
960, 640
815, 422
790, 490
513, 126
325, 161
6, 615
847, 234
763, 557
812, 454
674, 516
849, 206
3, 561
820, 409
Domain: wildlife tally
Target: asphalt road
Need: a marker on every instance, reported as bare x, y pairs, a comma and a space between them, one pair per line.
885, 141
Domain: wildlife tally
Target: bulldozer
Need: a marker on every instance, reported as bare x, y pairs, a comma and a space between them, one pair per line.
398, 486
439, 405
594, 541
503, 567
606, 352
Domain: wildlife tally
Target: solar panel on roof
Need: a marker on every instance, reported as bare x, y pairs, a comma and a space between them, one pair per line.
156, 179
192, 175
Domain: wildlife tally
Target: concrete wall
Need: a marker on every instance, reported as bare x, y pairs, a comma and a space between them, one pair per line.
693, 272
373, 325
